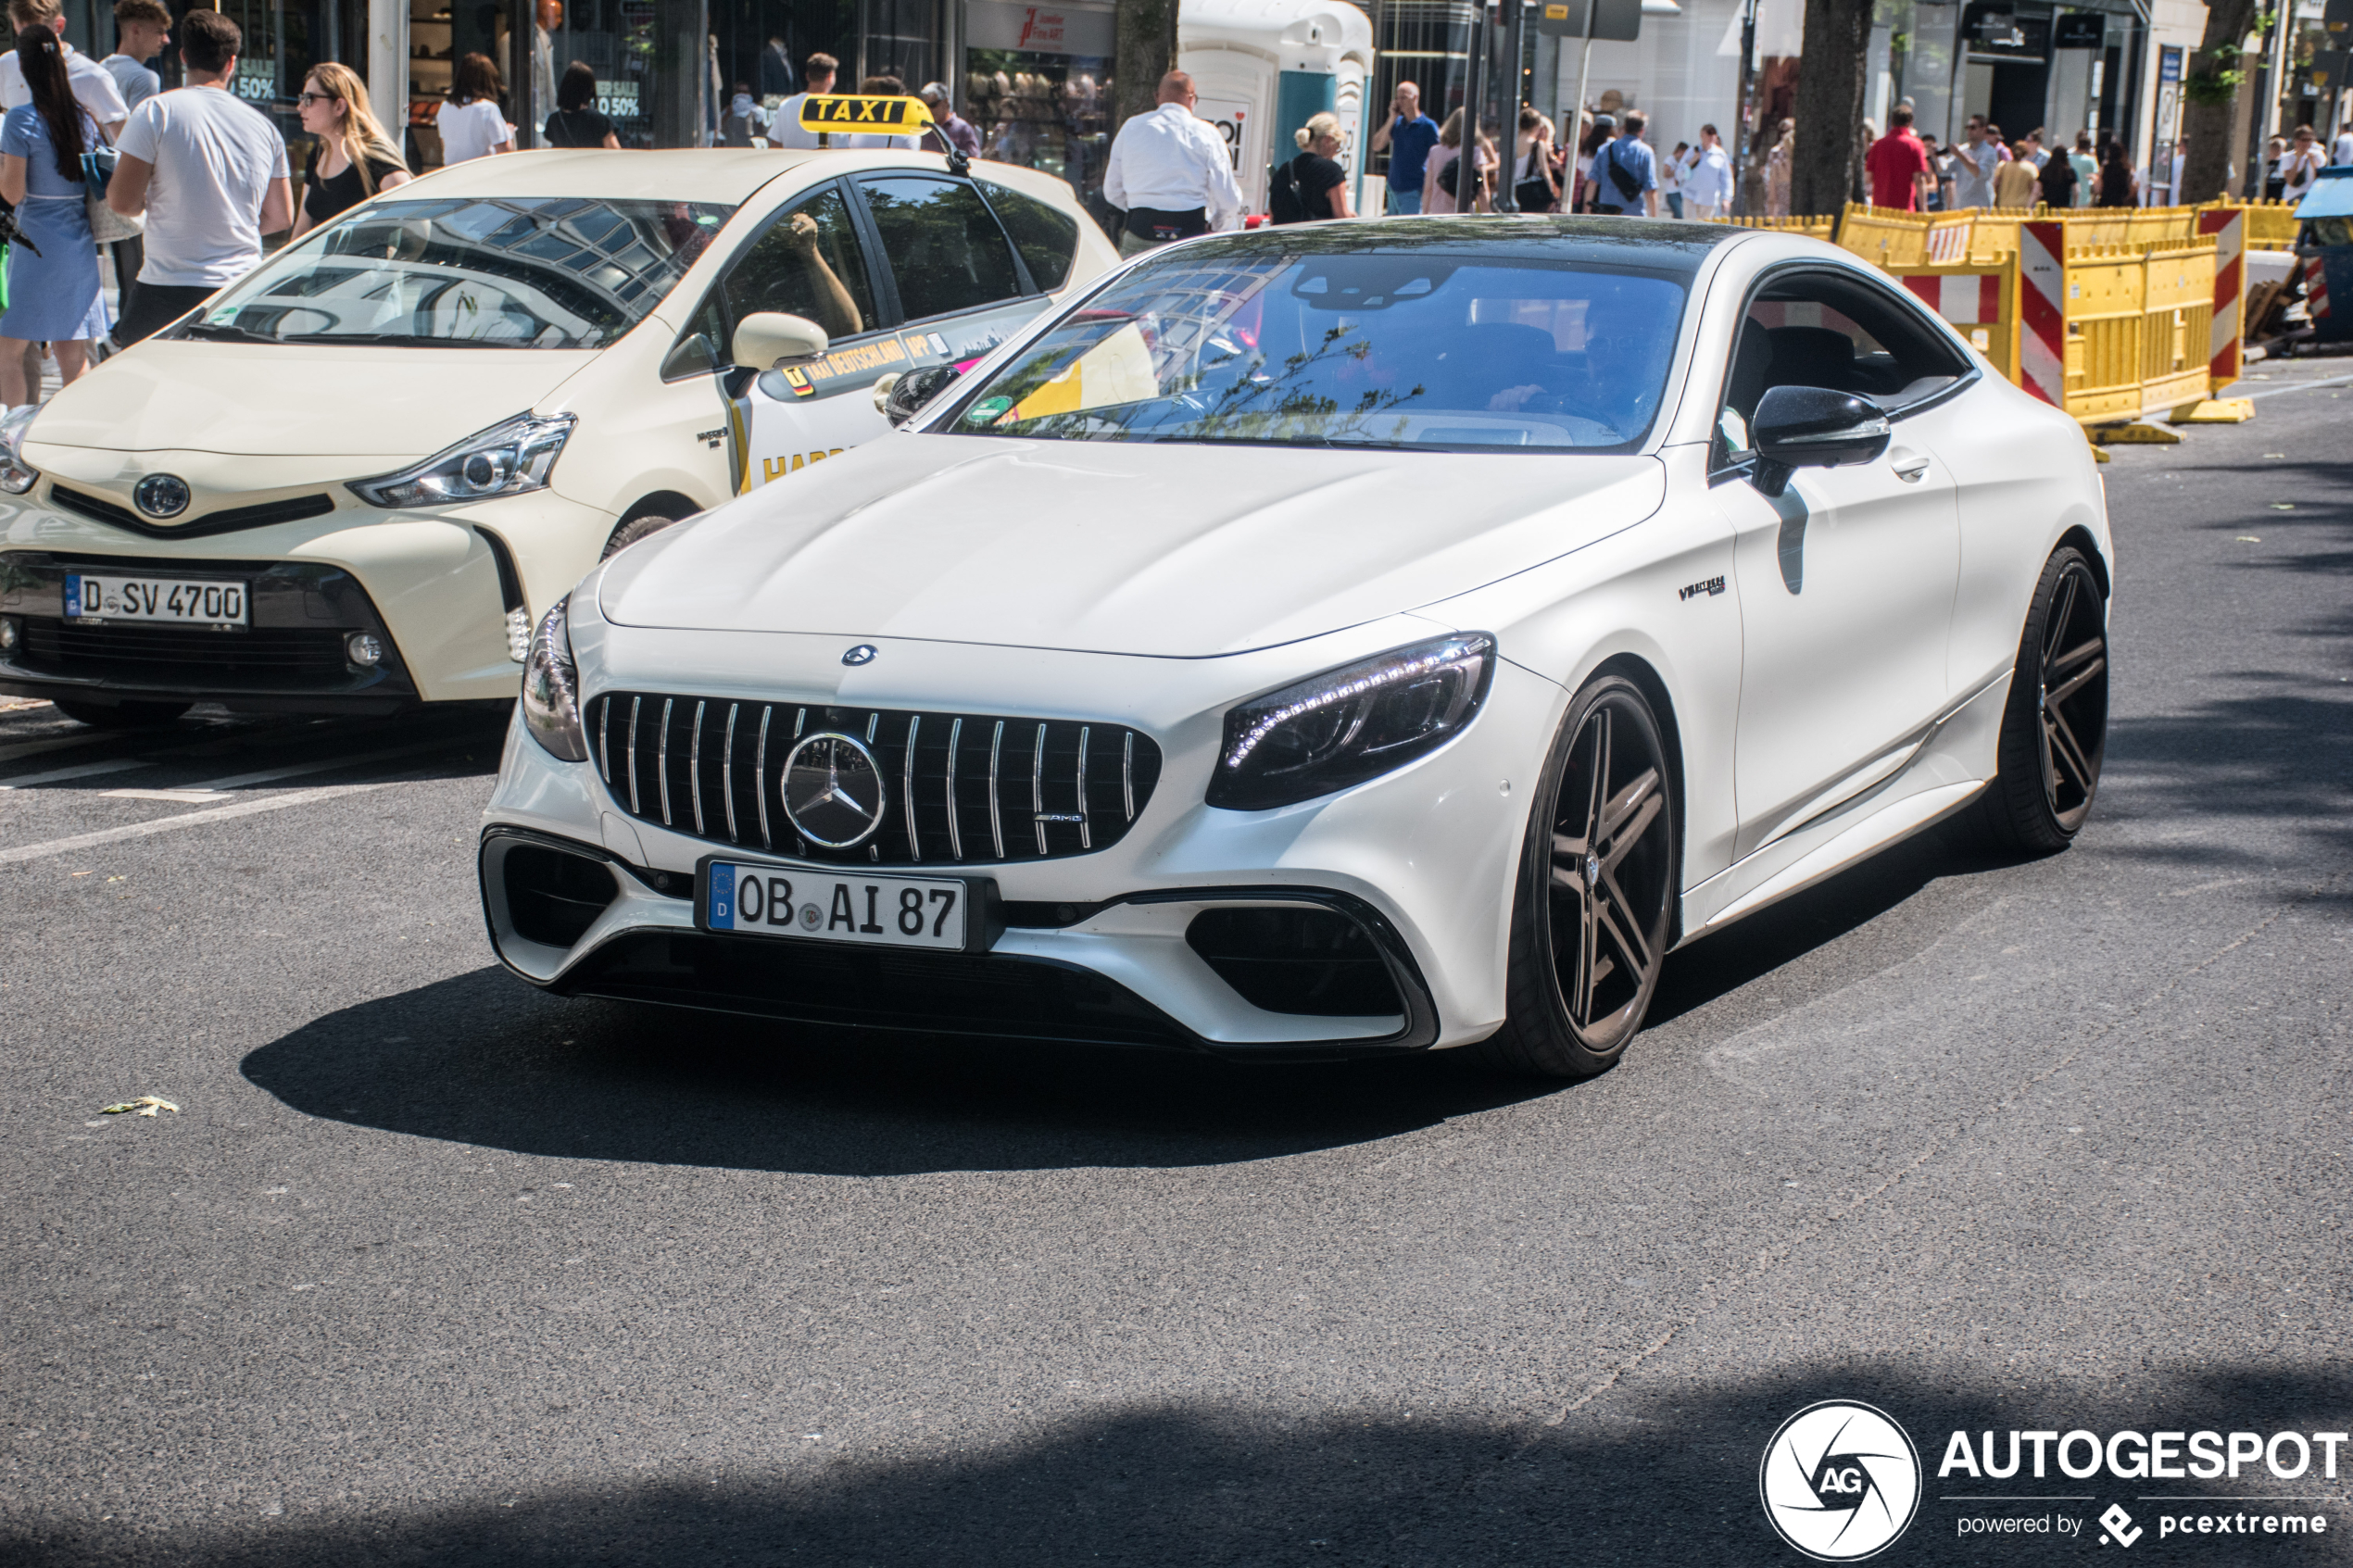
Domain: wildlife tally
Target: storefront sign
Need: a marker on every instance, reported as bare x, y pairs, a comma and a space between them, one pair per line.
1039, 29
2080, 30
1614, 20
618, 100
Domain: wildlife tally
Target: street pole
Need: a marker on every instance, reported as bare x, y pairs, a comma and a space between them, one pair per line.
1474, 101
1748, 91
1512, 101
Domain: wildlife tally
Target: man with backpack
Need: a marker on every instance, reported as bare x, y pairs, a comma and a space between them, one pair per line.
1625, 173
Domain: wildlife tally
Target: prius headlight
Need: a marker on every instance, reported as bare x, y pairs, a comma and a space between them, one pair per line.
1352, 723
510, 458
16, 476
551, 687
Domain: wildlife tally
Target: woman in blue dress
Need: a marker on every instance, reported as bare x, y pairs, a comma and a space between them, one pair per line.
53, 297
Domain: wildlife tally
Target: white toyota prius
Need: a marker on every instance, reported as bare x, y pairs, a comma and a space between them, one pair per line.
353, 481
1332, 640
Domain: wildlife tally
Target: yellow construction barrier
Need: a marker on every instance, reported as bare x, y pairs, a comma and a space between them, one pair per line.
1813, 228
2270, 225
1979, 298
2112, 332
1892, 237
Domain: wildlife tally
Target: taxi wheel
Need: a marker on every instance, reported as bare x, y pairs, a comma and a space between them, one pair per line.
123, 716
1596, 891
629, 533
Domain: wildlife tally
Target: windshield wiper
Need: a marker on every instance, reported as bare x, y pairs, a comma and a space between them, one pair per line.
226, 332
412, 340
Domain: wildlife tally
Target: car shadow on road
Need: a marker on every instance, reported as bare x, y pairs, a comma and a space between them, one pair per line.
480, 1058
1671, 1480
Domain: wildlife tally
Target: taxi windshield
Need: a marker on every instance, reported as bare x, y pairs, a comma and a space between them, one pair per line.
1431, 346
514, 272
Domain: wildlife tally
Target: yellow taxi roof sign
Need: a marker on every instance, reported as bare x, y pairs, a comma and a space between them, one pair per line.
851, 111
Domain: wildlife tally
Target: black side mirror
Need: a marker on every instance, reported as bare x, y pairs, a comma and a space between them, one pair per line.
1812, 427
910, 392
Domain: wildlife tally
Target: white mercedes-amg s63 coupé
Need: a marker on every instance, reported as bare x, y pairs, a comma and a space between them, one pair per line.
1339, 639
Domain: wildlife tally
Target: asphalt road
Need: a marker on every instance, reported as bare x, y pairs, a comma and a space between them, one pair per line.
430, 1269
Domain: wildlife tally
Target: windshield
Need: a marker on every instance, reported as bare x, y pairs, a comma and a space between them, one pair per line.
1440, 346
516, 272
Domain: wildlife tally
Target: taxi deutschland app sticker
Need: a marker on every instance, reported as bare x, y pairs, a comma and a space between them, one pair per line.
1840, 1481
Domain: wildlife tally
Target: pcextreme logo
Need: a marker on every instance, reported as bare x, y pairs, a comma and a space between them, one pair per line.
1840, 1481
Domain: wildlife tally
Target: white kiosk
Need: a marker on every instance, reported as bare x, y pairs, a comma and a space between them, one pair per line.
1264, 67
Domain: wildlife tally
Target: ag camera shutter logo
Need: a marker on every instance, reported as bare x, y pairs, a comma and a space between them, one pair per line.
1840, 1481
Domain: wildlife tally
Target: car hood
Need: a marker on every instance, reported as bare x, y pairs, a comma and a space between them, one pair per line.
294, 400
1182, 551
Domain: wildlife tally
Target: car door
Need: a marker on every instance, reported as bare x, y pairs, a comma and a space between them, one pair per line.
810, 260
1846, 578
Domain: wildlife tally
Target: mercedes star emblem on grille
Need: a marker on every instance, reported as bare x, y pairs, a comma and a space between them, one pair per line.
862, 654
162, 494
833, 790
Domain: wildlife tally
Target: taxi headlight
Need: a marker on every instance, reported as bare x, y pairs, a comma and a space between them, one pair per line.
510, 458
16, 476
551, 687
1352, 723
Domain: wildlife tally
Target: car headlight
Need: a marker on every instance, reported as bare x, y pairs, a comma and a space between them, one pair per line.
16, 476
1352, 723
510, 458
551, 687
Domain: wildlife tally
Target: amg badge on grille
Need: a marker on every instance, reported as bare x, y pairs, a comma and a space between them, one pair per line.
833, 790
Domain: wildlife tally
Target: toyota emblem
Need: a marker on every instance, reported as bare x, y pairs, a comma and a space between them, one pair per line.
862, 654
833, 790
162, 494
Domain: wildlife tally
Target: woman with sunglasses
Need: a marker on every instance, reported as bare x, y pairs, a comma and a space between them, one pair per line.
355, 159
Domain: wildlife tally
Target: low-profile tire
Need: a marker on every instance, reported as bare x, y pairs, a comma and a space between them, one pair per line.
629, 533
2054, 723
1595, 894
122, 716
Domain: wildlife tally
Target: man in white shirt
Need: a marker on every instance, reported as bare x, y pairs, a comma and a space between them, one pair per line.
1170, 173
208, 172
784, 127
1975, 161
142, 29
93, 88
1707, 180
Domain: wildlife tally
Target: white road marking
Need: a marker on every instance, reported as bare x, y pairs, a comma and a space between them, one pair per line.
78, 771
215, 789
2300, 386
185, 820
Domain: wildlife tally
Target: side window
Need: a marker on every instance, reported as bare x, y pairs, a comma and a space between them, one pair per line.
945, 248
1048, 239
806, 263
1823, 329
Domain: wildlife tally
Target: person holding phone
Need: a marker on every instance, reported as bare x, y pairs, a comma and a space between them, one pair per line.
1406, 136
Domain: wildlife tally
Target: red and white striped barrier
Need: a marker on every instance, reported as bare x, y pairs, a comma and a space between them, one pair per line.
2042, 336
1966, 299
2316, 289
2229, 229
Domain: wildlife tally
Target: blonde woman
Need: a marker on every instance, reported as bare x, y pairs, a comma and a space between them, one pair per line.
1777, 169
355, 159
1437, 196
1323, 184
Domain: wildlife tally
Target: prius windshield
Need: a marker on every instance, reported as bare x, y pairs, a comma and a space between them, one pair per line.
1435, 346
515, 272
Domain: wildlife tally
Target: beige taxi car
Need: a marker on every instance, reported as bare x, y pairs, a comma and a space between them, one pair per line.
352, 481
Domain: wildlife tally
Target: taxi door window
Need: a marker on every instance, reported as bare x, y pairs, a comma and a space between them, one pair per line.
1048, 239
946, 250
806, 263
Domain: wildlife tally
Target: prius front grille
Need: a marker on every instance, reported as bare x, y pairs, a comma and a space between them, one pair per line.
955, 787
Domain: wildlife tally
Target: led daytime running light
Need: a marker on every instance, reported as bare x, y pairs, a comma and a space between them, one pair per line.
1452, 656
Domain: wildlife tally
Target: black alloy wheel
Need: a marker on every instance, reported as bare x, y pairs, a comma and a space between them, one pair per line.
2055, 728
1596, 892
